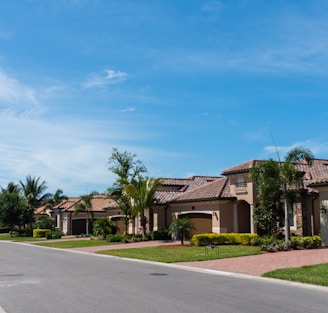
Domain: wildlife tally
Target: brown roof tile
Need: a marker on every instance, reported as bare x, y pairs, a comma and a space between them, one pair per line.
99, 203
216, 189
243, 167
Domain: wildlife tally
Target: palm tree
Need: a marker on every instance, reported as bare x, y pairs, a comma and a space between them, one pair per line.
34, 193
57, 198
182, 226
291, 176
85, 205
104, 226
272, 180
141, 197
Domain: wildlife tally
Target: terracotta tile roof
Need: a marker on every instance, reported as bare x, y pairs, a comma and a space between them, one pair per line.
40, 210
312, 174
192, 188
243, 167
217, 189
99, 203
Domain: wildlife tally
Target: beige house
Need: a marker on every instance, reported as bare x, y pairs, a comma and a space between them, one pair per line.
217, 204
321, 184
75, 224
226, 204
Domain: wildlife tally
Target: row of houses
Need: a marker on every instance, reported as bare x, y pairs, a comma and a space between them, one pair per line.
218, 204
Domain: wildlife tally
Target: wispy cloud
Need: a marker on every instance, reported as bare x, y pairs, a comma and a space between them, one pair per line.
213, 8
17, 96
110, 77
130, 109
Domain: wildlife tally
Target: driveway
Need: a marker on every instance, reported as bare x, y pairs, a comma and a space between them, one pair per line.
255, 265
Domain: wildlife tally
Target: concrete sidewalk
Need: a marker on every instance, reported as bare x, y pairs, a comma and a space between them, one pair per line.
255, 265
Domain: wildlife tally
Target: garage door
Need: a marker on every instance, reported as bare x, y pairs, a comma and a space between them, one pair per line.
78, 227
202, 222
120, 225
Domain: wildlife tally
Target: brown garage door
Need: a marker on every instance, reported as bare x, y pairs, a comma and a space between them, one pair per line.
78, 227
202, 222
120, 224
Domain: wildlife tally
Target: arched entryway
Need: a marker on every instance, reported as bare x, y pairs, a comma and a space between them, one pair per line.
244, 217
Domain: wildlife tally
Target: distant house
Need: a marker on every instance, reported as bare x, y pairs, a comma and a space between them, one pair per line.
217, 204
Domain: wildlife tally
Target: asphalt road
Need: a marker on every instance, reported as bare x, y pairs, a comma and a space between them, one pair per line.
38, 279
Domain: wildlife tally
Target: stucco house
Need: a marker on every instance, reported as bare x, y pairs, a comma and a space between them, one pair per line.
216, 204
226, 204
321, 184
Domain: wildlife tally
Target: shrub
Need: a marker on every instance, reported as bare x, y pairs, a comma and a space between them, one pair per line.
224, 238
271, 244
44, 223
161, 234
39, 233
54, 234
114, 238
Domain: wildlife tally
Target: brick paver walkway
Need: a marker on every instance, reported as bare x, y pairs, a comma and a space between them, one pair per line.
255, 265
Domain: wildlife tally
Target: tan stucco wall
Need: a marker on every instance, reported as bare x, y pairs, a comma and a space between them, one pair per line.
323, 196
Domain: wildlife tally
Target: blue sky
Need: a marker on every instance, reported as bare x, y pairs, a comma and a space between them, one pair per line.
190, 87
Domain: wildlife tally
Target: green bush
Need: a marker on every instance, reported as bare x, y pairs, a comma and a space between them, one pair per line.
224, 238
4, 230
114, 238
161, 234
39, 233
54, 234
271, 244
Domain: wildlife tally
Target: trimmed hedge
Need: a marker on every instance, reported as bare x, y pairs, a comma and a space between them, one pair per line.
222, 239
40, 233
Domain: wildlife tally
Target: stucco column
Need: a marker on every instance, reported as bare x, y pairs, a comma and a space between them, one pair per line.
253, 228
235, 218
324, 222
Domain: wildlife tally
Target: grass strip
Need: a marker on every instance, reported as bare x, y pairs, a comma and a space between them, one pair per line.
67, 244
312, 274
169, 254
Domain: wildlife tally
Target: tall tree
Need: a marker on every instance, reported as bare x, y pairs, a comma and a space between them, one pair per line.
123, 204
273, 180
127, 169
85, 205
125, 166
266, 177
57, 197
12, 206
34, 192
141, 196
291, 176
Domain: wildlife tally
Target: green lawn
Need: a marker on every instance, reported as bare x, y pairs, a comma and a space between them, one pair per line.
66, 244
19, 238
313, 274
169, 254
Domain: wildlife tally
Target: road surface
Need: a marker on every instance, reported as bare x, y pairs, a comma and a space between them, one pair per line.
39, 279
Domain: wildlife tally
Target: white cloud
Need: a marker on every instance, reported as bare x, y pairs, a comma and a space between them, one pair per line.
212, 7
16, 96
68, 153
111, 77
130, 109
